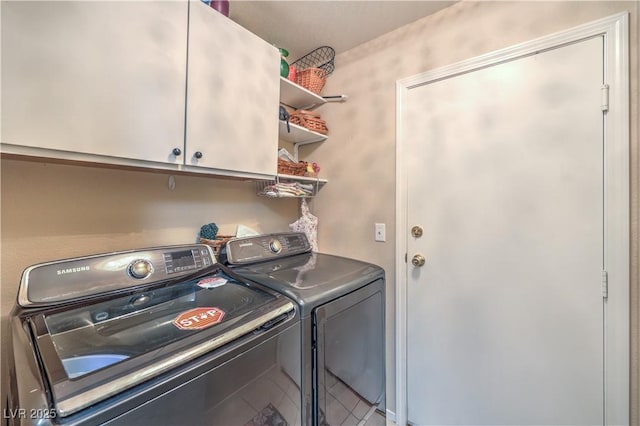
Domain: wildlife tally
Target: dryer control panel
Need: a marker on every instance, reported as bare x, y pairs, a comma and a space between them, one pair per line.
241, 251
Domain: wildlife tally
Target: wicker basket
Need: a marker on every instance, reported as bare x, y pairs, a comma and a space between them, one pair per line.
293, 169
218, 243
312, 79
322, 57
309, 120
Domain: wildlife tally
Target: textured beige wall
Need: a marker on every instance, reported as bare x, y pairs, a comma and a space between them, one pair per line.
359, 156
54, 211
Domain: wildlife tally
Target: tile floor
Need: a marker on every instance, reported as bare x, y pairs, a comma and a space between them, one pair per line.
344, 407
254, 403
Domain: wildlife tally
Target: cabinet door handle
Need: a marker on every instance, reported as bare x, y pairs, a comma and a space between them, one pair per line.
177, 152
198, 155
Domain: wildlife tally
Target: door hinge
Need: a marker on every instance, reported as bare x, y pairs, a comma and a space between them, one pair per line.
405, 258
604, 104
605, 284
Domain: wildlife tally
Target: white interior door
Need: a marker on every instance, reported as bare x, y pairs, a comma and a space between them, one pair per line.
505, 176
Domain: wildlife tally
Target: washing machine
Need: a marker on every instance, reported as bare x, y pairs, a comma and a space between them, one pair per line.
341, 307
160, 336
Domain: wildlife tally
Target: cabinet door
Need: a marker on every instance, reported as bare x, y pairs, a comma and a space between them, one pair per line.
104, 77
232, 95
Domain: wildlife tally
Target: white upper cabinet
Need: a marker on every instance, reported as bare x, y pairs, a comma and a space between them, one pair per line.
104, 78
233, 89
107, 81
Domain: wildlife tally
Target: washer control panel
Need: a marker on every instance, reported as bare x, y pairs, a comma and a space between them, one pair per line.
186, 260
70, 279
265, 247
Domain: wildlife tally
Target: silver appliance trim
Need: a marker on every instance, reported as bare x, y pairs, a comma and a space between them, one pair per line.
23, 292
99, 393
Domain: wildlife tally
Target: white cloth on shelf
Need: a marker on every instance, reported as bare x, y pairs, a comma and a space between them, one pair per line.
294, 189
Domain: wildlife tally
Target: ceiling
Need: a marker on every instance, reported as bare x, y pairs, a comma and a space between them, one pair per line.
300, 26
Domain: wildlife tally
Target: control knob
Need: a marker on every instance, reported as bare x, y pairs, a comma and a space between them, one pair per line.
140, 268
275, 246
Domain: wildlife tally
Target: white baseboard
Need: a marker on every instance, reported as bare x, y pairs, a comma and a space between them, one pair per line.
391, 417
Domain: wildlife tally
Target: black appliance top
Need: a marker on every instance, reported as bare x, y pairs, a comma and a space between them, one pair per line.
94, 344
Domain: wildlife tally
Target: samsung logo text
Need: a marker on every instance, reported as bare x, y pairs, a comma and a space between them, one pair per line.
73, 270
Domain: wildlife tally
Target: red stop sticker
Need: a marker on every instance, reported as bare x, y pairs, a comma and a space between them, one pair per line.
198, 318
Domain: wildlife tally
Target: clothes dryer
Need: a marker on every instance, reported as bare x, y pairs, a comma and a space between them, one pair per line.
341, 308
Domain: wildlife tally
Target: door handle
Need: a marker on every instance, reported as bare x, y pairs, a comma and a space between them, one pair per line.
418, 260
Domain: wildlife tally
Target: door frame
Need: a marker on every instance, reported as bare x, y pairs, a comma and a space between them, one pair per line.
615, 30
